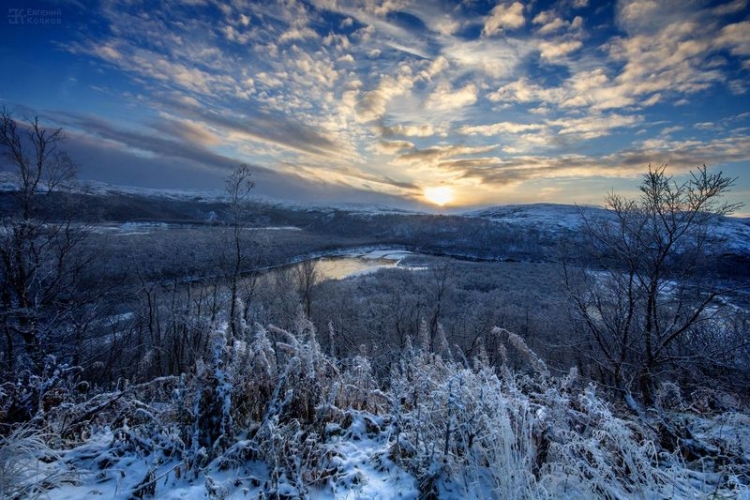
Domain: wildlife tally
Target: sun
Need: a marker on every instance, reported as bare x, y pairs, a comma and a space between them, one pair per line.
439, 195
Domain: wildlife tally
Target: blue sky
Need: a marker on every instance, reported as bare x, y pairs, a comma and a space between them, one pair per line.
387, 101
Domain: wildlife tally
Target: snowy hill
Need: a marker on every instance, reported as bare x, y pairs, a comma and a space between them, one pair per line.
542, 215
9, 183
452, 234
735, 232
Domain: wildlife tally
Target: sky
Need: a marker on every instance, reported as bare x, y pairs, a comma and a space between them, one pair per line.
396, 102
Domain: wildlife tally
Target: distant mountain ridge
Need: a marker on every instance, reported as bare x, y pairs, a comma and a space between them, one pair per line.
113, 203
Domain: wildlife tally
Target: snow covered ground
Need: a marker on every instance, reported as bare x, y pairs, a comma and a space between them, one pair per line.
735, 232
592, 454
359, 456
140, 228
540, 215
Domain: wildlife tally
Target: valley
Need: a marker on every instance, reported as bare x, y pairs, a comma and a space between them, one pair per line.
172, 290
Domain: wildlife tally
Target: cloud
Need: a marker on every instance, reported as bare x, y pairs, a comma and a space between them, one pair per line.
735, 37
666, 131
159, 145
409, 130
504, 16
189, 131
497, 58
670, 47
555, 50
538, 134
525, 91
730, 8
297, 34
374, 103
550, 22
319, 88
680, 156
666, 53
438, 65
170, 160
267, 128
433, 156
444, 98
391, 147
499, 128
594, 126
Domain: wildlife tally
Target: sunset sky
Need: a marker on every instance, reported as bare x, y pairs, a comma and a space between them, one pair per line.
390, 101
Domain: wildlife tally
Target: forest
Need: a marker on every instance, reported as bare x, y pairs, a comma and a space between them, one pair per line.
172, 345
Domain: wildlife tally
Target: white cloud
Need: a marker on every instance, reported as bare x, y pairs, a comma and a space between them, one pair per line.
730, 8
499, 128
376, 88
432, 157
738, 87
497, 58
554, 25
297, 34
107, 52
504, 17
391, 147
270, 80
735, 37
705, 125
524, 91
346, 23
233, 35
556, 50
438, 65
550, 22
409, 130
544, 17
641, 15
671, 130
591, 127
444, 98
374, 103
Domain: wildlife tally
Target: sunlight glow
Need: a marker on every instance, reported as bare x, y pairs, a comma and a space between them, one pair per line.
440, 195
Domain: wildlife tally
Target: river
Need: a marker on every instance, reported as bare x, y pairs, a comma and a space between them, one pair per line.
355, 263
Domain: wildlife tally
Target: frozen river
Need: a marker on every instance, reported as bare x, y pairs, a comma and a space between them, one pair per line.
355, 263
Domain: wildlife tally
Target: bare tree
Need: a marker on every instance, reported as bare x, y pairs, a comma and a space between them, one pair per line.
442, 281
39, 265
645, 292
238, 186
306, 273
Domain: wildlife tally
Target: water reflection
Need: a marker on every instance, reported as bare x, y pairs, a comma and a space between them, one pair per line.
344, 266
336, 268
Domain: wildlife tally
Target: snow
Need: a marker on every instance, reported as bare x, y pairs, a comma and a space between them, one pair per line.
553, 217
354, 457
141, 228
396, 255
734, 232
361, 458
366, 471
542, 215
9, 182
